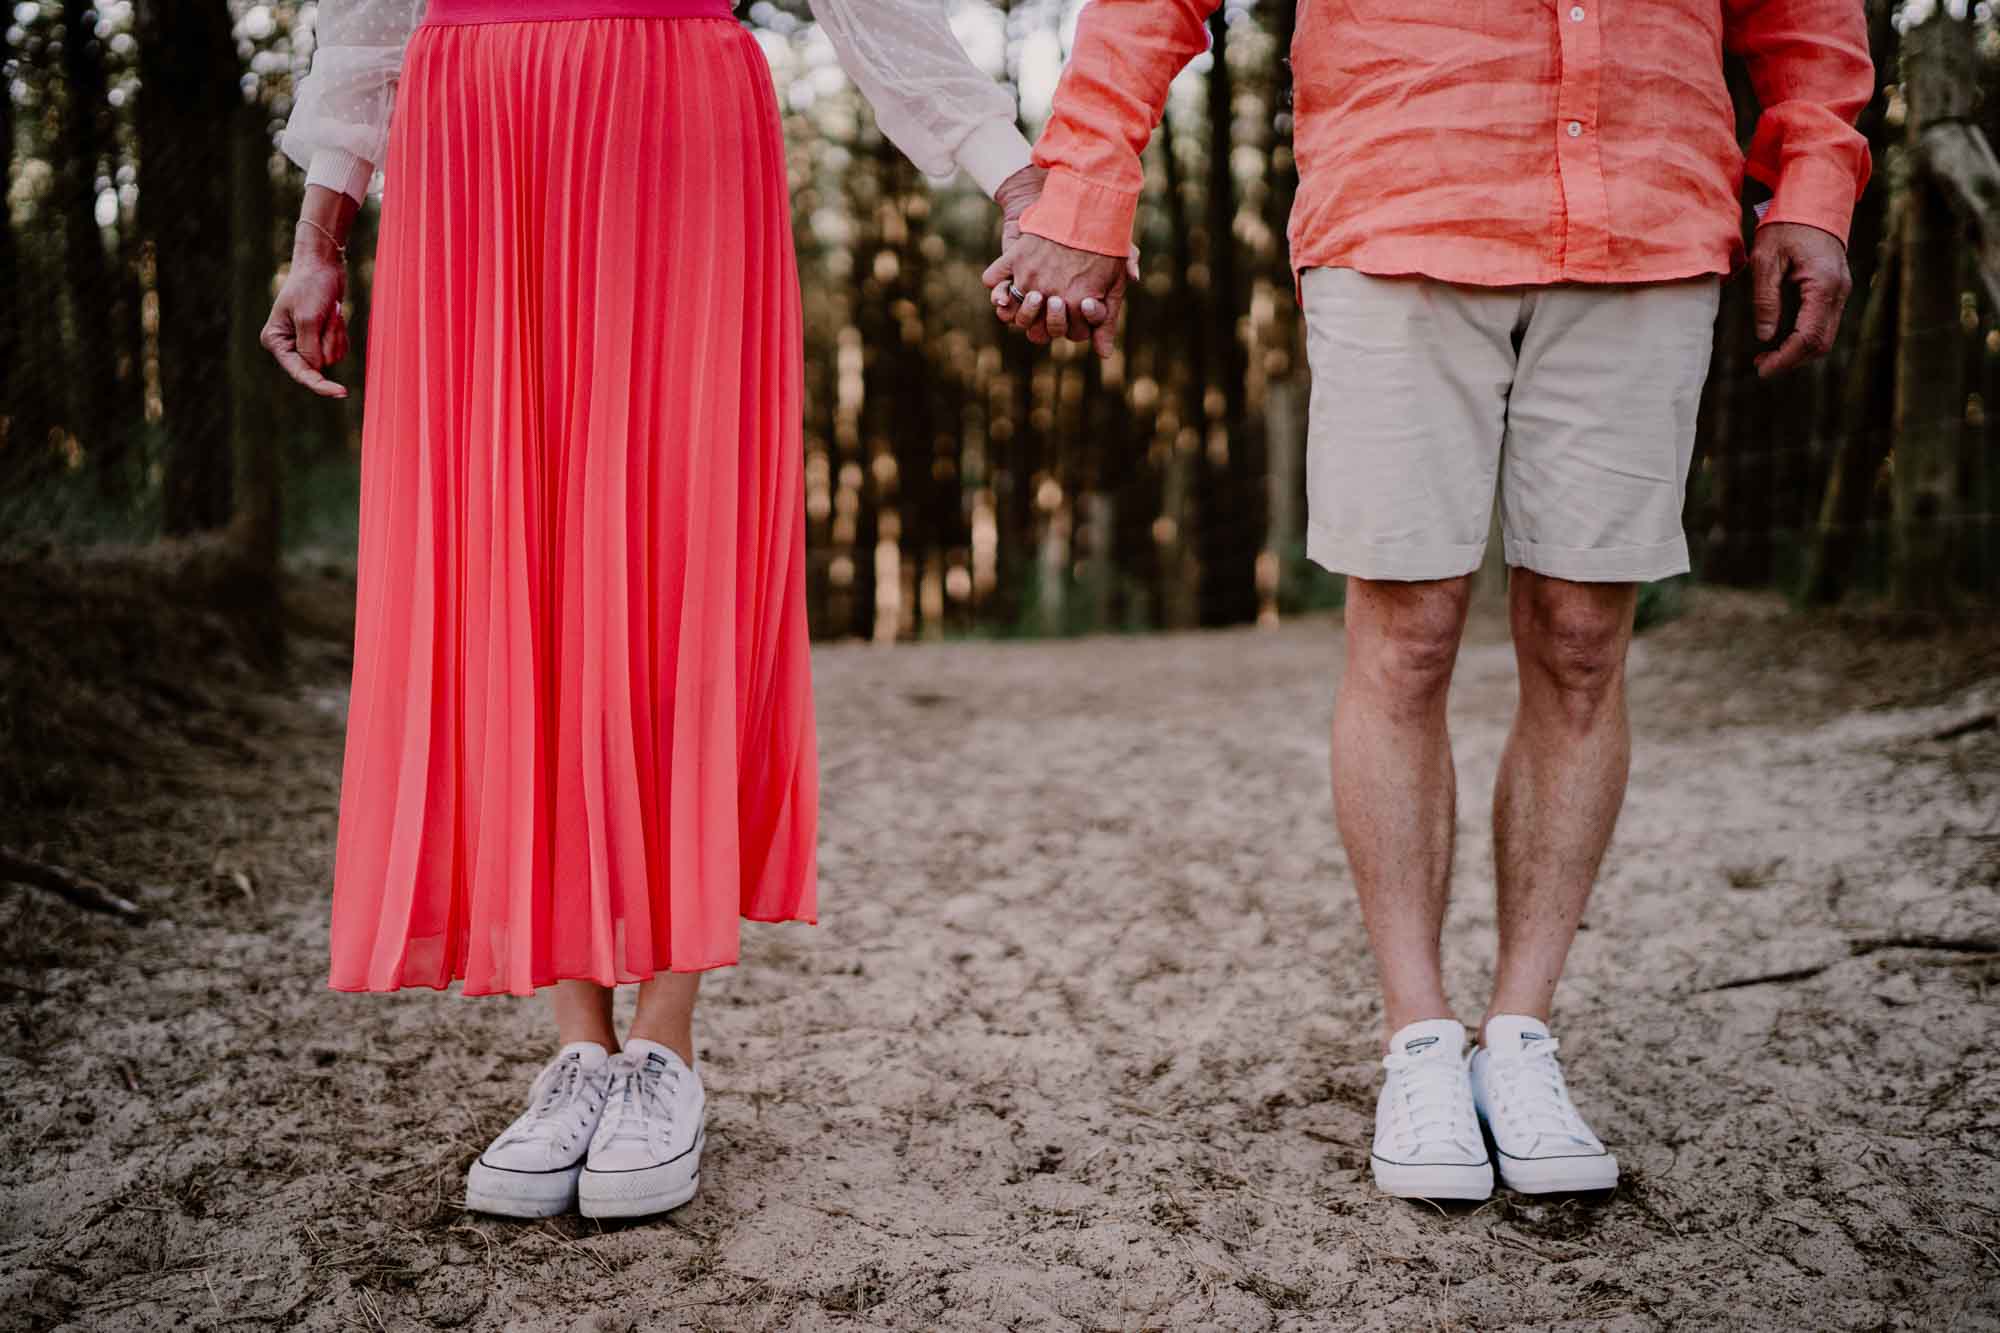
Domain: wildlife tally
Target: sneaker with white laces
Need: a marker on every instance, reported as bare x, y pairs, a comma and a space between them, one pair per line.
1544, 1147
646, 1157
531, 1170
1427, 1142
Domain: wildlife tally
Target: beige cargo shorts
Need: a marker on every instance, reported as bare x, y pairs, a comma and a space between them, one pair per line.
1576, 402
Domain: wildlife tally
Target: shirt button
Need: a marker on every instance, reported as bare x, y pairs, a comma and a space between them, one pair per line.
1576, 13
1575, 128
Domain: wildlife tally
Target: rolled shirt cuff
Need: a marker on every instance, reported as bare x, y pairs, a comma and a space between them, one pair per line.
993, 151
338, 169
1083, 215
1818, 194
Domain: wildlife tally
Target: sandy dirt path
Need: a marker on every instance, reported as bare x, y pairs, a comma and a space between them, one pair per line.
1087, 1040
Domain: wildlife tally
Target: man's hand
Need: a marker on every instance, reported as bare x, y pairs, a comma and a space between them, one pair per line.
1065, 293
1816, 262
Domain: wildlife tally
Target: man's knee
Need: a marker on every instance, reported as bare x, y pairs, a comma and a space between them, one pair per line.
1574, 634
1403, 637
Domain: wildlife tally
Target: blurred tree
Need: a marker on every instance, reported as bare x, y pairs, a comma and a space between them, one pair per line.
13, 365
255, 447
1231, 511
87, 148
189, 79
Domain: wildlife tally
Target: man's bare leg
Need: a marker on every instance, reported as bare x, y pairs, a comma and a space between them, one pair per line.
1562, 776
1395, 792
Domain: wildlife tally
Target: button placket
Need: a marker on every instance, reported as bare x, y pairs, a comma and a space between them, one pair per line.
1585, 221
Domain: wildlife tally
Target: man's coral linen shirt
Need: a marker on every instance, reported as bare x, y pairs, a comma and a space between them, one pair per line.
1495, 142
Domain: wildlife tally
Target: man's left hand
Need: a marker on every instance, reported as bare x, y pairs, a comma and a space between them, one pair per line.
1816, 262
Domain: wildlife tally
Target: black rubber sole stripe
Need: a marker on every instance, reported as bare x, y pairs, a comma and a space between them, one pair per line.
629, 1170
1390, 1161
517, 1171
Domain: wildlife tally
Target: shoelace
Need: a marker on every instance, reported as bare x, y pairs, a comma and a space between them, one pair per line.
637, 1092
548, 1119
1530, 1094
1435, 1106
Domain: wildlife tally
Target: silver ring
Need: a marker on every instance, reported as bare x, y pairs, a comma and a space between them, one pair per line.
1016, 292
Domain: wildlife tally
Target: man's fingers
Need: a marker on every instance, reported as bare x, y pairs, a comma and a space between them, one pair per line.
1787, 354
1767, 276
1820, 302
999, 270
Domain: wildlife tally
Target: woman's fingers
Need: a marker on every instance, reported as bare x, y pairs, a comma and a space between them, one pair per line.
333, 339
1028, 313
305, 339
1055, 321
295, 366
279, 337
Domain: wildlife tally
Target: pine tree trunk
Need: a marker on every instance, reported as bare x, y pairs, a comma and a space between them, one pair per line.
86, 268
14, 378
1183, 375
1939, 74
1232, 527
1867, 408
255, 530
188, 100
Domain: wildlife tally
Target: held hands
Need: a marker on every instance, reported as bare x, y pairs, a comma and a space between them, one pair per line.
1816, 262
1047, 290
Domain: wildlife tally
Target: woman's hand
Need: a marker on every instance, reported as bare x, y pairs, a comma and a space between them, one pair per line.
307, 331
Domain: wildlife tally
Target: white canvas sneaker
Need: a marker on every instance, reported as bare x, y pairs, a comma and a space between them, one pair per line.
531, 1170
646, 1157
1544, 1146
1427, 1143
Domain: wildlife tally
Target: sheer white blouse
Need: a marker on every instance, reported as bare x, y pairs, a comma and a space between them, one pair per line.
929, 98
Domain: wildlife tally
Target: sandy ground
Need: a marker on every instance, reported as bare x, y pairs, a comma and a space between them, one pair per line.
1087, 1040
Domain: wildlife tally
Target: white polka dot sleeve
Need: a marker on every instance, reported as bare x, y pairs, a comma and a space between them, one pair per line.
340, 114
929, 98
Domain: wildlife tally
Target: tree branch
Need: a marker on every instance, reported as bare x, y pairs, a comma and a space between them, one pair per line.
1957, 156
68, 886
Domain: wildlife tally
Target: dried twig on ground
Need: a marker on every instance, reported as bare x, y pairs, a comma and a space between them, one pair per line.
1860, 948
67, 885
1966, 727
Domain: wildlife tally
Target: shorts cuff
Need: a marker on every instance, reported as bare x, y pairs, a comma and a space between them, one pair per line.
1607, 564
1406, 563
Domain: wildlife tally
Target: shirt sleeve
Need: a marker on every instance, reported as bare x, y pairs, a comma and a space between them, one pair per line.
1808, 62
929, 98
1111, 96
339, 126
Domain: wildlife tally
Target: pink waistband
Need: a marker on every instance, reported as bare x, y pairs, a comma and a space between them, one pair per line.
533, 11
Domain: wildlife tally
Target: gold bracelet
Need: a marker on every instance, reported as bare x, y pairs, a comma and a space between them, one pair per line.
331, 239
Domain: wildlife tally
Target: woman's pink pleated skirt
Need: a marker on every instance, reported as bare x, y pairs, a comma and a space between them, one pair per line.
581, 739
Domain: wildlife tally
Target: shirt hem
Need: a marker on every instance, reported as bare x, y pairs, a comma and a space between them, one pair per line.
1374, 262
